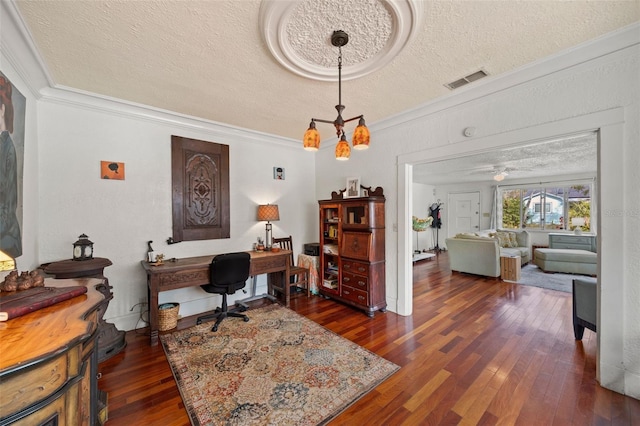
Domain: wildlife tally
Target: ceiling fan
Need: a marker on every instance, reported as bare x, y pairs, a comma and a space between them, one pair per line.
499, 172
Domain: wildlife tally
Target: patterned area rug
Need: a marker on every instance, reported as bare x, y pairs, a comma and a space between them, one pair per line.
534, 276
278, 368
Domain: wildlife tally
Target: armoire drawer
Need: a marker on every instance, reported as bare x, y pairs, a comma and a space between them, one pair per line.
355, 295
355, 267
360, 282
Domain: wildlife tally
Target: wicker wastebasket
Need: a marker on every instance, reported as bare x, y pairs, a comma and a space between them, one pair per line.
168, 316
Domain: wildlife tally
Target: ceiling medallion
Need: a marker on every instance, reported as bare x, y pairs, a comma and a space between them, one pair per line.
298, 33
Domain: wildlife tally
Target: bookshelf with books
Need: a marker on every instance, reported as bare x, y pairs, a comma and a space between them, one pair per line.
352, 250
329, 246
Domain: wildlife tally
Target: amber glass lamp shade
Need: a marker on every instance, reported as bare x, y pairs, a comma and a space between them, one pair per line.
361, 136
342, 149
311, 139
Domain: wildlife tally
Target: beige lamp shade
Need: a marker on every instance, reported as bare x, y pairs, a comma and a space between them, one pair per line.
7, 263
268, 212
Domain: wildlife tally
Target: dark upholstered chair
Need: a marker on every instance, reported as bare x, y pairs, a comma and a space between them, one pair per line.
298, 276
584, 306
228, 273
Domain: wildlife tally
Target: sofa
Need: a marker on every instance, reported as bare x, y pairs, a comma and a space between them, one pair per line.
479, 253
584, 306
570, 261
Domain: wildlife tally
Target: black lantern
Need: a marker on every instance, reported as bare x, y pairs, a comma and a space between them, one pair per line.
83, 248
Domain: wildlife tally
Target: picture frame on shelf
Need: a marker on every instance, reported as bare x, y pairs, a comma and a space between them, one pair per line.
353, 188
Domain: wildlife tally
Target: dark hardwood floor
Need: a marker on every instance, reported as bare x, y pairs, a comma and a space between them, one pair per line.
475, 351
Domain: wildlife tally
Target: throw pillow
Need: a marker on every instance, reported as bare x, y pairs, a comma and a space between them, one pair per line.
466, 235
513, 239
503, 239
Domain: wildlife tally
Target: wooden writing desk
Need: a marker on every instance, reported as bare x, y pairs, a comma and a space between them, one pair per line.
194, 271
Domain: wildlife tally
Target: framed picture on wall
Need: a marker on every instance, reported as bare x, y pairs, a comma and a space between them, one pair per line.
111, 170
353, 187
278, 173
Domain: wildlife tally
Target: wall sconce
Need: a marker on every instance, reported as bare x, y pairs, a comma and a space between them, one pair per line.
268, 212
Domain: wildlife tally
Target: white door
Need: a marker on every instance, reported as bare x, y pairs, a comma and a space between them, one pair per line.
464, 213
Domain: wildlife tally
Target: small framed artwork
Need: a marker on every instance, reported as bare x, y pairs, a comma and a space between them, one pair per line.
278, 173
353, 187
111, 170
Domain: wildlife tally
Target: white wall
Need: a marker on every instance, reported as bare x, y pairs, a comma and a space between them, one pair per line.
593, 86
77, 132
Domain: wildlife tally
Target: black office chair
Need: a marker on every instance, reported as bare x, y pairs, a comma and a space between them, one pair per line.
227, 274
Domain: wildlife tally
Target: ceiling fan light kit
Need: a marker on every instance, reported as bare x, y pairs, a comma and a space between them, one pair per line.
499, 177
361, 136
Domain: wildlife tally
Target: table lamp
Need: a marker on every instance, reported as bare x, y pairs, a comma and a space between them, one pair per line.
7, 263
268, 212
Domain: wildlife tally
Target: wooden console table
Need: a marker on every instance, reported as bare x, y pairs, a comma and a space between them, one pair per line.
49, 363
194, 271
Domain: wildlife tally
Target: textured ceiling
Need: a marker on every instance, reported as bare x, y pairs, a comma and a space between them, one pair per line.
568, 156
213, 59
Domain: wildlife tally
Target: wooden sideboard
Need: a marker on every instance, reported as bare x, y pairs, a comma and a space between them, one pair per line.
49, 362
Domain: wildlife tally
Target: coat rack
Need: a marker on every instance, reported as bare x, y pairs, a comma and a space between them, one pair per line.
434, 213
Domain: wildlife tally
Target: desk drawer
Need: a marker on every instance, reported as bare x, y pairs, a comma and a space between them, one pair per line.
267, 264
184, 278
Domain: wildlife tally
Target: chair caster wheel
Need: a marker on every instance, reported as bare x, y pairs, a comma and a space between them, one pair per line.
246, 319
215, 328
198, 322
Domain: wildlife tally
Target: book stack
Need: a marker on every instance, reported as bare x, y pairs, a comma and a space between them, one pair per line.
331, 283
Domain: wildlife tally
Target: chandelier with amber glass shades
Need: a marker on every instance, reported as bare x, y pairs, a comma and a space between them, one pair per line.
360, 134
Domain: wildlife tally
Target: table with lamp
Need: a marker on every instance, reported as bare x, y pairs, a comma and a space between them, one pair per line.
194, 271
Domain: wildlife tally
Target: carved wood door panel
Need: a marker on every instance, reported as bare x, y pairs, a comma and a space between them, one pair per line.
200, 189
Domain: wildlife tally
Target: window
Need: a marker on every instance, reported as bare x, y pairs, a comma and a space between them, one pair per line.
522, 207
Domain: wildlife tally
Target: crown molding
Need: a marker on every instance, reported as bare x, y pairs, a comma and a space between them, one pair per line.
66, 96
22, 53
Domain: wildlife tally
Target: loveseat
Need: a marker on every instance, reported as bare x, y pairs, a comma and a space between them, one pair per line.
479, 253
